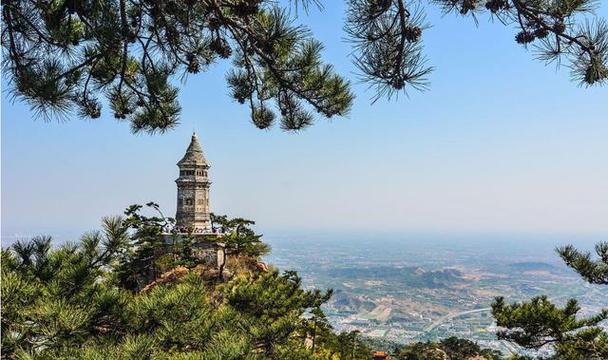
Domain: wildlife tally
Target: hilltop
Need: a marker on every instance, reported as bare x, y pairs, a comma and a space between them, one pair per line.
125, 292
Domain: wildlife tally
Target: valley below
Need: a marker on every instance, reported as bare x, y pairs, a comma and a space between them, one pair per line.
401, 289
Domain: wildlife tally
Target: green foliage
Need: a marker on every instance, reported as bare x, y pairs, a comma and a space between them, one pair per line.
451, 348
387, 36
141, 260
462, 349
56, 299
348, 346
317, 325
595, 272
274, 304
240, 239
554, 28
63, 56
151, 248
538, 322
72, 302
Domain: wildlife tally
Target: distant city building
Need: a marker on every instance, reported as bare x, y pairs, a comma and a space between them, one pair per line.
193, 191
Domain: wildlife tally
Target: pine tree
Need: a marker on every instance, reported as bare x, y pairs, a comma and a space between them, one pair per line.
317, 325
62, 56
240, 239
539, 322
595, 272
275, 304
349, 346
53, 300
451, 348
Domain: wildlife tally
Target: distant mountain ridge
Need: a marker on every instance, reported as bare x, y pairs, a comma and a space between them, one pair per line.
534, 266
411, 276
353, 304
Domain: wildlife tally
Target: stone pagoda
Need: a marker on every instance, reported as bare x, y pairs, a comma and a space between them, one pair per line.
193, 183
192, 218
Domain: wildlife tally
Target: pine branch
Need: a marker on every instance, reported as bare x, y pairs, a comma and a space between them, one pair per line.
594, 271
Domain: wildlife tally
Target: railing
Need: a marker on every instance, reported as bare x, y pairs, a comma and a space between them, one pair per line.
197, 231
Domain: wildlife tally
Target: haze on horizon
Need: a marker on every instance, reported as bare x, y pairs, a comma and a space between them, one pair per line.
500, 143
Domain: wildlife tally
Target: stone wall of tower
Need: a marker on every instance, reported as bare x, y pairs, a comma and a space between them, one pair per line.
193, 191
193, 202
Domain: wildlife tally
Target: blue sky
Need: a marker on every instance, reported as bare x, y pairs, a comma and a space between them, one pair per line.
500, 143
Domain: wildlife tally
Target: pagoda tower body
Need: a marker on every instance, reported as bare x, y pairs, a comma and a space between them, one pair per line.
193, 191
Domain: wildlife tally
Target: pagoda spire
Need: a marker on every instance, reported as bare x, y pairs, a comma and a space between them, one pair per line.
194, 154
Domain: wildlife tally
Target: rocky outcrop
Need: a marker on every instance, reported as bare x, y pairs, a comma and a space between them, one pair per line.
210, 273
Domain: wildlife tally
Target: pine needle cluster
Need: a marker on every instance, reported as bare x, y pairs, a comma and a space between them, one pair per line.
558, 30
64, 56
387, 36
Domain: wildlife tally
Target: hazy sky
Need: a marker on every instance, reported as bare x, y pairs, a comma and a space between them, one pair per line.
500, 143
